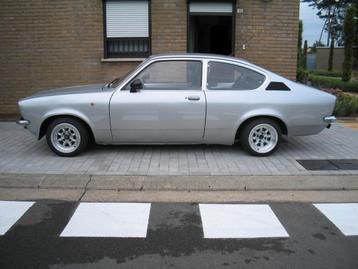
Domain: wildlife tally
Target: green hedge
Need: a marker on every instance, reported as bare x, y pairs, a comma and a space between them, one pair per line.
326, 73
347, 106
331, 82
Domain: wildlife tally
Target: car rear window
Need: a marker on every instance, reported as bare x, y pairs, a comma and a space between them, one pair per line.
225, 76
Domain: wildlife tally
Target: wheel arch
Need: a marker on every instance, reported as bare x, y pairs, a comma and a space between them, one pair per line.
48, 120
280, 122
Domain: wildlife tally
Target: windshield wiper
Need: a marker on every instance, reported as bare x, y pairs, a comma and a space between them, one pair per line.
109, 85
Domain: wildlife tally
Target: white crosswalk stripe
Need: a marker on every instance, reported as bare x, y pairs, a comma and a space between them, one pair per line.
218, 221
10, 212
109, 220
344, 216
240, 221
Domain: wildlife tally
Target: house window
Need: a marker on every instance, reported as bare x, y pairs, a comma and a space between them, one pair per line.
126, 28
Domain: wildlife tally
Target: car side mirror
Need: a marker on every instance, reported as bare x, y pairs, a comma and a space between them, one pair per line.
136, 85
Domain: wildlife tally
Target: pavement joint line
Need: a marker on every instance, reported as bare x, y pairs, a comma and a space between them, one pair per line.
40, 183
42, 188
85, 188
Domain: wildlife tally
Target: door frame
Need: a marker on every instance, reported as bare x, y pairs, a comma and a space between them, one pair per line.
233, 16
122, 88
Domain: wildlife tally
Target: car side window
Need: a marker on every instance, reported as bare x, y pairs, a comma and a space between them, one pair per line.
225, 76
172, 75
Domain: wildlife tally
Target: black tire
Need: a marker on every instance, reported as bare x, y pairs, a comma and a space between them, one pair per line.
245, 136
84, 136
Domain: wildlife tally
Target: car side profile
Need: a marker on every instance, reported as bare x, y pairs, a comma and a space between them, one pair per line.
180, 99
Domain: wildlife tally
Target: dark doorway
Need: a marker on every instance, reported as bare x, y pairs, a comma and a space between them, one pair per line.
210, 34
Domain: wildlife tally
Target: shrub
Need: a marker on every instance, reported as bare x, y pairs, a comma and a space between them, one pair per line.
347, 105
302, 75
336, 92
325, 73
331, 82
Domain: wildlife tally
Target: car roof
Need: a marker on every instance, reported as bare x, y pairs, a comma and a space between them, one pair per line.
205, 56
198, 56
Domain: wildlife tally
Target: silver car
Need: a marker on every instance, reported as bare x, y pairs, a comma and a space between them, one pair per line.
180, 99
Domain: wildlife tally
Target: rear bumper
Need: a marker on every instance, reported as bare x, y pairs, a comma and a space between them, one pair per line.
329, 119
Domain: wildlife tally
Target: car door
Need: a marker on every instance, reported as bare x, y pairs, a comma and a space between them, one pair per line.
170, 108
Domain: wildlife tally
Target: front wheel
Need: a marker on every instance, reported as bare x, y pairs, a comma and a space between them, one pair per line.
67, 137
261, 137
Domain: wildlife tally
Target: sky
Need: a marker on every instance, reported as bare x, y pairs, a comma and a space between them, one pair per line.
312, 25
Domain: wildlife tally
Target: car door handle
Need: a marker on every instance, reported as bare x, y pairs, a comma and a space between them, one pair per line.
193, 98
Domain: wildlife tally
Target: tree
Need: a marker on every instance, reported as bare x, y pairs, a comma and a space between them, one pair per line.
299, 44
304, 58
349, 37
300, 72
332, 12
355, 52
331, 55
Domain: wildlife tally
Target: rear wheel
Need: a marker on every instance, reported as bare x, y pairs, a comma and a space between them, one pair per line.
261, 137
67, 137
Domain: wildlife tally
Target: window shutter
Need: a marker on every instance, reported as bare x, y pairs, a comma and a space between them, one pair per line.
127, 18
210, 7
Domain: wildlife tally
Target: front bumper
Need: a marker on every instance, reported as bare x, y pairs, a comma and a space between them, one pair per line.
23, 122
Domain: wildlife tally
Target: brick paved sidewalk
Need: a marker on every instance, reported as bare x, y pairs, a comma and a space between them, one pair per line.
20, 152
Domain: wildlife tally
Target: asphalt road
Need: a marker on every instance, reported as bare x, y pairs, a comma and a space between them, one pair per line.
173, 238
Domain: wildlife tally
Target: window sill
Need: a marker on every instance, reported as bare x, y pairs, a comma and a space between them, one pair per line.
118, 60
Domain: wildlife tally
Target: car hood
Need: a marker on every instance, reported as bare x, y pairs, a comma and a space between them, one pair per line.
69, 90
